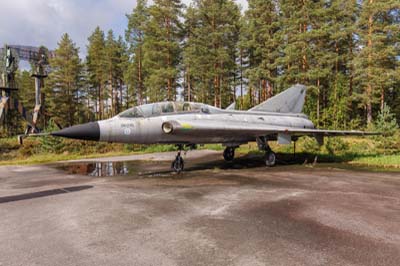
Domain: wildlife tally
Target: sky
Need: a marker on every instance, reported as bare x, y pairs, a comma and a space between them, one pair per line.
42, 22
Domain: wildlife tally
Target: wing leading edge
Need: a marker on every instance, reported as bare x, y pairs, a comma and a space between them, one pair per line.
198, 128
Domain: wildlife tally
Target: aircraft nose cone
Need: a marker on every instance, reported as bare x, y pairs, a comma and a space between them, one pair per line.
88, 131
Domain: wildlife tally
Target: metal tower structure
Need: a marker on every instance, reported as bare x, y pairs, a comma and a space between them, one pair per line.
38, 58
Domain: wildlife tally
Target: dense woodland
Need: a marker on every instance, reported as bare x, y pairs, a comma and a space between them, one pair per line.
346, 51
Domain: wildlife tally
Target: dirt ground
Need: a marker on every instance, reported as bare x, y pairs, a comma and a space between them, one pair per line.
115, 211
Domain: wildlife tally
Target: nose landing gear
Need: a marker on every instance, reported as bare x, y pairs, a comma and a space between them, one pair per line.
178, 164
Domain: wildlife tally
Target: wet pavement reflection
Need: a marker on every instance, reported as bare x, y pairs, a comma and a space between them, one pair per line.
144, 169
99, 169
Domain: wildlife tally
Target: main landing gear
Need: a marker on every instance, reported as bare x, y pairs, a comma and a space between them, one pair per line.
270, 156
229, 154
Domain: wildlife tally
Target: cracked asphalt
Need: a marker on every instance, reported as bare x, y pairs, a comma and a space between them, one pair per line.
121, 211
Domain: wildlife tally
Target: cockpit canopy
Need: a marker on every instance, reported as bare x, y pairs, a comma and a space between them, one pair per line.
155, 109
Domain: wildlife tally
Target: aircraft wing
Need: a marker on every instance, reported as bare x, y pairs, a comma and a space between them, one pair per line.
233, 129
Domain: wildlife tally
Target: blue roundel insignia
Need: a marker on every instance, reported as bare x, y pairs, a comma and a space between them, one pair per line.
127, 131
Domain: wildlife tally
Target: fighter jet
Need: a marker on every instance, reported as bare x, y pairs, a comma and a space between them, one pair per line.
188, 124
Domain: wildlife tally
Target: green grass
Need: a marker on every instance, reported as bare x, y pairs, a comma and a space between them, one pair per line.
354, 151
387, 161
360, 152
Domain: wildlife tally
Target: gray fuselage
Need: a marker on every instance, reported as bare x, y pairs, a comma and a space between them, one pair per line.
148, 130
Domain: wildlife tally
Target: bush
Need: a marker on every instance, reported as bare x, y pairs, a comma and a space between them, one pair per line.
387, 125
310, 145
29, 148
336, 145
7, 144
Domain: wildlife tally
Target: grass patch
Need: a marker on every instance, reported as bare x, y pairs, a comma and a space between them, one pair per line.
355, 151
387, 161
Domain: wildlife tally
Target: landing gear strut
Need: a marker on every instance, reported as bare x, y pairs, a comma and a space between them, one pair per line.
270, 156
229, 154
178, 164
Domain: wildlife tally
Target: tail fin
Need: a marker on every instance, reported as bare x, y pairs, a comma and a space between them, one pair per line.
288, 101
232, 106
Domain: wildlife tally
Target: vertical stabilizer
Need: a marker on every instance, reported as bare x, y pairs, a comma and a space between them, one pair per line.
232, 106
288, 101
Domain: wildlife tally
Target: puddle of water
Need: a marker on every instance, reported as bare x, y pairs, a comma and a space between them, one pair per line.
143, 169
100, 169
137, 169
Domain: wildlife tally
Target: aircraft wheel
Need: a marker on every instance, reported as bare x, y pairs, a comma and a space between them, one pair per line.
178, 164
229, 154
270, 159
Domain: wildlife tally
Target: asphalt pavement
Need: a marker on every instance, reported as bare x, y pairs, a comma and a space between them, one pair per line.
115, 211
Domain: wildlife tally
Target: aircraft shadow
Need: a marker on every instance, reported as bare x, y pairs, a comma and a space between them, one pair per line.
245, 162
44, 193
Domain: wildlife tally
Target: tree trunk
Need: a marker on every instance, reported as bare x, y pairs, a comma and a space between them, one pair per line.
216, 90
112, 94
318, 102
189, 89
351, 68
241, 79
269, 90
140, 81
369, 85
263, 90
101, 103
169, 63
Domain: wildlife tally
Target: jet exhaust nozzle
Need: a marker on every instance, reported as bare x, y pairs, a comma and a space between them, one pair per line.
88, 131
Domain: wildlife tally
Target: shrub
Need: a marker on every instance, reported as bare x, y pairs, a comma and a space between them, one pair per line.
336, 145
310, 145
387, 125
29, 148
50, 144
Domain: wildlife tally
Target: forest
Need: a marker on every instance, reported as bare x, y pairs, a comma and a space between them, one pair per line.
347, 52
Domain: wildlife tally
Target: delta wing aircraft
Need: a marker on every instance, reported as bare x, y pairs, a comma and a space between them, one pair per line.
188, 124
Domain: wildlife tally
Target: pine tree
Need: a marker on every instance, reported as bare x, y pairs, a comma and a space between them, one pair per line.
212, 48
295, 48
122, 65
26, 89
162, 49
114, 56
263, 43
188, 52
243, 52
134, 35
376, 63
97, 68
320, 60
64, 82
343, 16
195, 58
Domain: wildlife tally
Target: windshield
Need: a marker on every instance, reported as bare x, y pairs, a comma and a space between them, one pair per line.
131, 113
155, 109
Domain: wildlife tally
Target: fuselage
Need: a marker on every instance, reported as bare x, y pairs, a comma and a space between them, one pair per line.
143, 125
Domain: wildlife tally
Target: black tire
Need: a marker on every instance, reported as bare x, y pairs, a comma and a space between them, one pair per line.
270, 159
229, 154
178, 165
